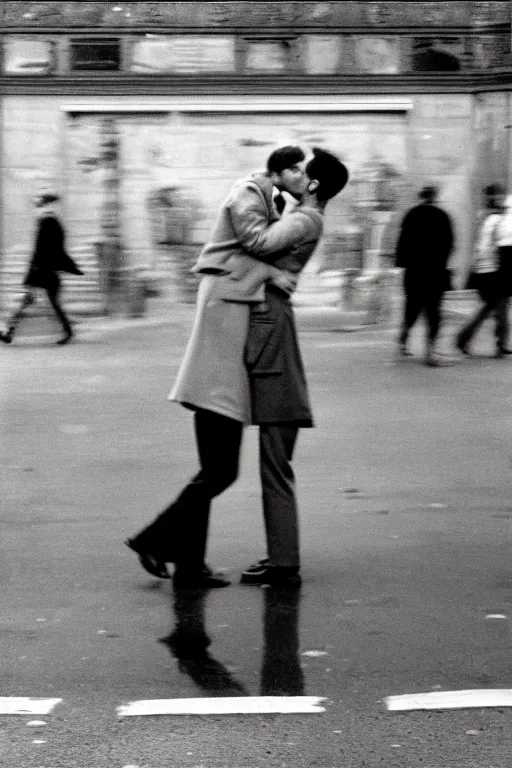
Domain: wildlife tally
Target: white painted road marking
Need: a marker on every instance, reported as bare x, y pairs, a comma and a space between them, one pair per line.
229, 705
18, 705
490, 697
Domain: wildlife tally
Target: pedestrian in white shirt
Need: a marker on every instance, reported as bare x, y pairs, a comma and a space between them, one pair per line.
486, 275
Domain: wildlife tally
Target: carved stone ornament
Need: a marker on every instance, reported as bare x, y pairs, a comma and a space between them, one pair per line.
379, 13
428, 14
346, 14
255, 15
216, 13
491, 51
30, 13
490, 12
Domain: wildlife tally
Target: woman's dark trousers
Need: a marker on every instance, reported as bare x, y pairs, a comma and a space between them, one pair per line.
493, 304
53, 296
496, 307
179, 533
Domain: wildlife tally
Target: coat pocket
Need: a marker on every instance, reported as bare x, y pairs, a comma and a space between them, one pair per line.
263, 352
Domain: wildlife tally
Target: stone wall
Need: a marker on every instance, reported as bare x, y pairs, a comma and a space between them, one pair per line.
197, 156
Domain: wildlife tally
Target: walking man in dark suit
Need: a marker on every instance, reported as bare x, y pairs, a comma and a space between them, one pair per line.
424, 246
48, 259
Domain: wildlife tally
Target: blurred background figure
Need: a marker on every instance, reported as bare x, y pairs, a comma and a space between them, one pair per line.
48, 259
485, 275
505, 272
424, 245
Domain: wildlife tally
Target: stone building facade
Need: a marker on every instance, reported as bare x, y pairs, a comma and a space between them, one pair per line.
141, 115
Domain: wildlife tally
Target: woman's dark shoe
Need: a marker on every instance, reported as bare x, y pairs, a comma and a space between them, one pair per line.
205, 579
65, 339
403, 351
6, 337
149, 562
272, 576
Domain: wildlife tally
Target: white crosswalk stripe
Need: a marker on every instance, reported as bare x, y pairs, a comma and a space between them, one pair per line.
20, 705
228, 705
485, 697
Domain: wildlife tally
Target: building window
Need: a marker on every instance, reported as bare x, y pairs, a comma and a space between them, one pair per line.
321, 54
95, 54
377, 55
268, 55
437, 54
28, 56
183, 54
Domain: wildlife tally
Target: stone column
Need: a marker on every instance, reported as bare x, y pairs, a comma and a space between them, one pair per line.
112, 256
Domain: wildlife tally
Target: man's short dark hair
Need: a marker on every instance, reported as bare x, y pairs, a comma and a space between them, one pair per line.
428, 194
493, 190
329, 171
46, 200
283, 158
493, 194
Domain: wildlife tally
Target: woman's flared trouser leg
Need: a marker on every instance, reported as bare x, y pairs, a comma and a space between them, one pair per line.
179, 533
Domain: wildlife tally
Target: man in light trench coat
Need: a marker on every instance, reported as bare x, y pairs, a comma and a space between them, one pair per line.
213, 379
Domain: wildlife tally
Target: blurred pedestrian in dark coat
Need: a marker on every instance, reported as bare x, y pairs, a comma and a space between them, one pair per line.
425, 243
48, 259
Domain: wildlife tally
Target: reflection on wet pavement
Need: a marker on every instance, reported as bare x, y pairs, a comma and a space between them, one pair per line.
189, 642
281, 672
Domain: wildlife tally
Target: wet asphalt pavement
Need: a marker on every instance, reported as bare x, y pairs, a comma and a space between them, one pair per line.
404, 490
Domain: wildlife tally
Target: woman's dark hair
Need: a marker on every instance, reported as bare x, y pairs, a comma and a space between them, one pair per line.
428, 194
329, 171
46, 200
283, 158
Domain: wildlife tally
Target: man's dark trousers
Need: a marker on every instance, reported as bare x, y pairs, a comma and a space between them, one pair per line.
417, 303
280, 405
277, 442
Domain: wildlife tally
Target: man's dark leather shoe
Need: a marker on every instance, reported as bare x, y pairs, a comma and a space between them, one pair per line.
272, 576
257, 566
